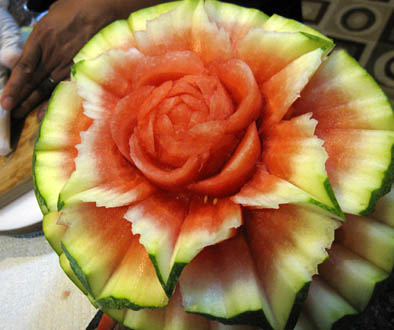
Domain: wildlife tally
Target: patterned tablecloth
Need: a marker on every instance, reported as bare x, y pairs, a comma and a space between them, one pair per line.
365, 28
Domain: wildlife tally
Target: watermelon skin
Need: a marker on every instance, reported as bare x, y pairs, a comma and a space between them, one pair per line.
362, 259
54, 149
228, 290
207, 224
53, 231
102, 275
100, 83
341, 95
234, 282
369, 239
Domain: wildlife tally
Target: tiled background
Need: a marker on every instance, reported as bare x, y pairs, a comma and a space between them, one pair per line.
365, 28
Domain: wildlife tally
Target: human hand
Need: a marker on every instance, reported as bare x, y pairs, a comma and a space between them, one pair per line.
49, 50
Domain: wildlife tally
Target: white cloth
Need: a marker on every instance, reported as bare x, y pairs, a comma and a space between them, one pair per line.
10, 41
10, 50
34, 291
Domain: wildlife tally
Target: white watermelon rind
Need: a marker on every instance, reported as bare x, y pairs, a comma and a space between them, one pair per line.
342, 318
380, 288
387, 181
48, 182
257, 318
374, 266
53, 232
98, 44
251, 16
83, 283
282, 24
40, 198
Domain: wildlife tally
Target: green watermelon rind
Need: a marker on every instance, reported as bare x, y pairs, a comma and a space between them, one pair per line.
345, 321
297, 306
173, 277
70, 273
376, 282
333, 210
116, 314
108, 302
112, 302
385, 187
77, 270
251, 318
108, 305
326, 46
40, 199
172, 281
257, 318
42, 187
65, 265
379, 289
60, 203
294, 26
388, 175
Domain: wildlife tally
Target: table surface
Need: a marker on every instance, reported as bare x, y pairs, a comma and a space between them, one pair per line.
34, 291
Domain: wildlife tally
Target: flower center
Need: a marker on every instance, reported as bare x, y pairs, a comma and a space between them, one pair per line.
192, 127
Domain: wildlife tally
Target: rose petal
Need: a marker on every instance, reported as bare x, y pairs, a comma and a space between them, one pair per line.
166, 178
124, 118
170, 66
237, 169
239, 80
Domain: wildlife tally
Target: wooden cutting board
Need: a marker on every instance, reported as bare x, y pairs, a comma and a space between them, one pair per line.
16, 168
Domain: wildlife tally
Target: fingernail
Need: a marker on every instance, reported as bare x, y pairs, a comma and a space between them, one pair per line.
8, 103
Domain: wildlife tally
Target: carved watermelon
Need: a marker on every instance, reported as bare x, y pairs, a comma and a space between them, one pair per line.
200, 160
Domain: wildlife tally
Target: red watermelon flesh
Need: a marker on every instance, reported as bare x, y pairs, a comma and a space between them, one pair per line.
192, 127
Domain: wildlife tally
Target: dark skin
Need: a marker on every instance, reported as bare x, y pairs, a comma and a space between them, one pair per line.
53, 43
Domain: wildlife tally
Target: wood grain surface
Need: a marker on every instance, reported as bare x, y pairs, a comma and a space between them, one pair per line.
16, 168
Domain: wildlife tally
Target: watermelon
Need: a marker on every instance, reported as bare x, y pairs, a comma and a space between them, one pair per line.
210, 167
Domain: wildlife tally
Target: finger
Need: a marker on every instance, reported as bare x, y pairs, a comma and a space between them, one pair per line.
61, 73
23, 77
43, 91
36, 97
